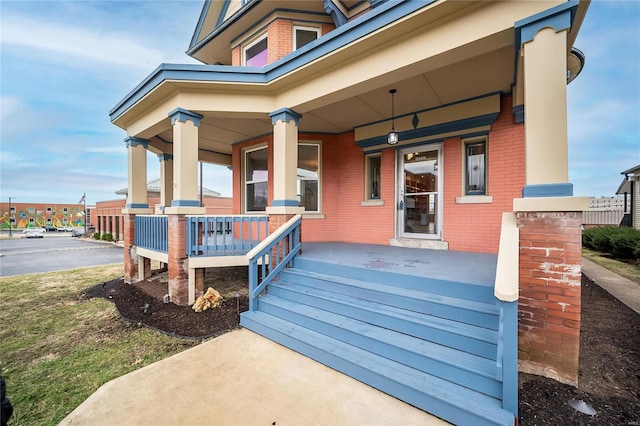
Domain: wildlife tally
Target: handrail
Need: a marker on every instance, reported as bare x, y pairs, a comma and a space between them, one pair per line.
506, 283
273, 255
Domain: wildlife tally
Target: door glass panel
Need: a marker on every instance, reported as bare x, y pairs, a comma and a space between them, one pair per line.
421, 192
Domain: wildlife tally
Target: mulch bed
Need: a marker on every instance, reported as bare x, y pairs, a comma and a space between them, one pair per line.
609, 352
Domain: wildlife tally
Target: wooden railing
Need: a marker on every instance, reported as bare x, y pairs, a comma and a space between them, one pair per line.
151, 232
271, 256
225, 235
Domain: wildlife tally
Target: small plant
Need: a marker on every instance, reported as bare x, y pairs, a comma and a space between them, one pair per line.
107, 236
96, 236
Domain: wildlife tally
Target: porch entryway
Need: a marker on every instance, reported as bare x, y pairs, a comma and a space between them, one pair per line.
419, 189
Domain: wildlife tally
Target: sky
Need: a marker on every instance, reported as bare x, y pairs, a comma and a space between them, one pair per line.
65, 64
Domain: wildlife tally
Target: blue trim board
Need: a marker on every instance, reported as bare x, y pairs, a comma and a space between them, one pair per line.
203, 15
556, 17
452, 126
185, 203
133, 141
518, 114
223, 11
548, 190
381, 16
336, 14
137, 206
182, 115
286, 115
165, 157
285, 203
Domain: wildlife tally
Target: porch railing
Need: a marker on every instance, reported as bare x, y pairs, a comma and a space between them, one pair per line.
271, 256
507, 292
152, 232
225, 235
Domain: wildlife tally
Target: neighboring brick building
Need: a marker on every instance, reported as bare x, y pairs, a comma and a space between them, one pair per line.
32, 215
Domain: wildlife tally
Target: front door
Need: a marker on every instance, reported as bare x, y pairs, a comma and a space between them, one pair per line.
419, 187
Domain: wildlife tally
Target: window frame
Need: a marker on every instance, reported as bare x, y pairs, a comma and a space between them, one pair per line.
251, 44
296, 27
245, 182
318, 146
468, 144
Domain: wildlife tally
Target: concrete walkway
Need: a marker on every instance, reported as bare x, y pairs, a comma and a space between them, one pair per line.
623, 289
241, 378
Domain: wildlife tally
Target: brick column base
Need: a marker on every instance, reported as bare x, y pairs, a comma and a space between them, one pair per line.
147, 267
178, 270
550, 294
130, 257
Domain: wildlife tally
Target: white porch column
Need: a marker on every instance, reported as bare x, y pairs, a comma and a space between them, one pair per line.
166, 181
137, 173
185, 162
285, 162
544, 50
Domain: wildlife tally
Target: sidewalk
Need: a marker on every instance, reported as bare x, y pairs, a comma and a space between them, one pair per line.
241, 378
623, 289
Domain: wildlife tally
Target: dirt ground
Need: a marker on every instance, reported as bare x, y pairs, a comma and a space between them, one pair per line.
609, 346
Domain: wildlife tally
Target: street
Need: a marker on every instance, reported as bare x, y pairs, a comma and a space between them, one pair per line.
54, 252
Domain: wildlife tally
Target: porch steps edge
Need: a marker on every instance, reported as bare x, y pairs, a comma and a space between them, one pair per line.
473, 290
473, 339
461, 310
451, 402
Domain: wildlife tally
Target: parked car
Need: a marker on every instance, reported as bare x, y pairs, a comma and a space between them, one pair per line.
27, 230
50, 228
75, 233
34, 234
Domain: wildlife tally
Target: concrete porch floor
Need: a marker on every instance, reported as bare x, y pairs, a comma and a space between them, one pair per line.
241, 378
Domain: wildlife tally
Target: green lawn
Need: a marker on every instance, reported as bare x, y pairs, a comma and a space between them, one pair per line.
624, 269
56, 348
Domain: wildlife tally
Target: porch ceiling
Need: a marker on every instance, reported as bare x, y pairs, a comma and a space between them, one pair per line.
487, 73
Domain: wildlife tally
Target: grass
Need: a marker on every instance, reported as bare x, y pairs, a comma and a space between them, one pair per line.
57, 347
624, 269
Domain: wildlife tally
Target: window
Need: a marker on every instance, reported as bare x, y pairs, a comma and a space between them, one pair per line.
65, 221
255, 54
32, 220
48, 221
256, 180
476, 170
372, 177
309, 176
32, 210
12, 210
304, 35
12, 220
65, 210
49, 210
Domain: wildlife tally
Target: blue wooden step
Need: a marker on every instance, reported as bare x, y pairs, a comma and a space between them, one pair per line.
456, 366
454, 403
478, 291
470, 338
462, 310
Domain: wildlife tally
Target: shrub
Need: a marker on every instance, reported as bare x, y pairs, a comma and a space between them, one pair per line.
96, 236
620, 242
107, 236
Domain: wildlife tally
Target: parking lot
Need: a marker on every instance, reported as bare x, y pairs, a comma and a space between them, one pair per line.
56, 251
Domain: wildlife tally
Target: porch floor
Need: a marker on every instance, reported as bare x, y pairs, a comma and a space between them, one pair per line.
446, 265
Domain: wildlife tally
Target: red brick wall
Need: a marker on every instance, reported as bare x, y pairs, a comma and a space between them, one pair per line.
550, 294
476, 227
236, 56
280, 39
178, 274
130, 261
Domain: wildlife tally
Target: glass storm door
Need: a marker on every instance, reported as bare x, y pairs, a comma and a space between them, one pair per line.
419, 189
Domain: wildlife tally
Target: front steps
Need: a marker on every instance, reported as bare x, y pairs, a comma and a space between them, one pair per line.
430, 343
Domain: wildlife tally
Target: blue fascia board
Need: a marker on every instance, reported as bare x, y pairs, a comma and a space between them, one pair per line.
137, 206
185, 203
339, 19
548, 190
203, 15
381, 16
518, 114
285, 203
451, 126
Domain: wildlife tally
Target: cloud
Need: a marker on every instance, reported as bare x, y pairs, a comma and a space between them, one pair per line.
78, 43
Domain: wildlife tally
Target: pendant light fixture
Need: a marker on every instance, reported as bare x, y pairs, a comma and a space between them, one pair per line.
392, 138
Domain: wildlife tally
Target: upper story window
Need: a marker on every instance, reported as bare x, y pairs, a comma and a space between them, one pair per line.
32, 210
256, 180
304, 35
255, 53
